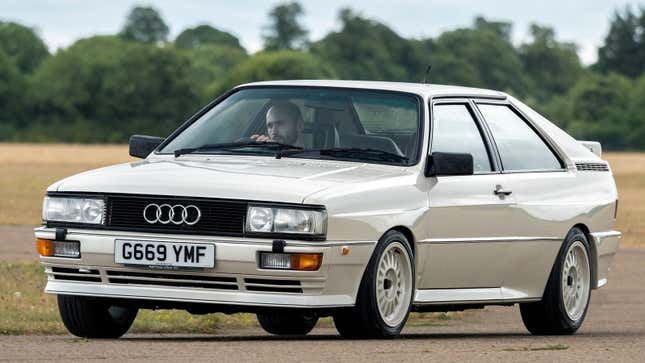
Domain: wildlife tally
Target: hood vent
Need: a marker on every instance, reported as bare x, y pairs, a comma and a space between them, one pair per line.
592, 167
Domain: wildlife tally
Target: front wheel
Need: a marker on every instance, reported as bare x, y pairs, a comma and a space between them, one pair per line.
287, 323
385, 294
93, 318
566, 298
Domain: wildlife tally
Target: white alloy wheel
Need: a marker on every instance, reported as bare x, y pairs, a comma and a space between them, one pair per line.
575, 281
394, 284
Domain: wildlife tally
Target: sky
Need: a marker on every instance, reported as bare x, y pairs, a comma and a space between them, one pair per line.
61, 22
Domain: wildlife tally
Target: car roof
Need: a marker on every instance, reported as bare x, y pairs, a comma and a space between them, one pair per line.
423, 89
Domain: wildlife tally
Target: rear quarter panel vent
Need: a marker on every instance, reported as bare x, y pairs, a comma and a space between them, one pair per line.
592, 167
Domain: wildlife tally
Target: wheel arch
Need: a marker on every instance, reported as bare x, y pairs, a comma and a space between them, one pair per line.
408, 234
593, 249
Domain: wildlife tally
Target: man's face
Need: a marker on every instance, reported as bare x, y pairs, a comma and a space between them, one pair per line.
281, 128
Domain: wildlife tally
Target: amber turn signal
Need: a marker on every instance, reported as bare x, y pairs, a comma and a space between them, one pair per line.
306, 261
45, 247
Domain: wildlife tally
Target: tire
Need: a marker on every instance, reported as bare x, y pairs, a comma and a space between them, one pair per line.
568, 291
287, 323
93, 318
385, 317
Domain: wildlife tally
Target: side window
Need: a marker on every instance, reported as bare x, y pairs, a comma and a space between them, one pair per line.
455, 131
520, 147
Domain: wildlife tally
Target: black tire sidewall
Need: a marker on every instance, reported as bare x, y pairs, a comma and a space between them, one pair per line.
556, 280
287, 323
91, 318
367, 301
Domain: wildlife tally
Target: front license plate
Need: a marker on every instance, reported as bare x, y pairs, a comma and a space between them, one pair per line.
174, 254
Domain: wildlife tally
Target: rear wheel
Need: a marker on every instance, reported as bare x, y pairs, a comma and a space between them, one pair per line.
566, 298
93, 318
385, 295
287, 323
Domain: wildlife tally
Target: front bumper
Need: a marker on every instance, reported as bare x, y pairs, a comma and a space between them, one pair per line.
605, 246
236, 278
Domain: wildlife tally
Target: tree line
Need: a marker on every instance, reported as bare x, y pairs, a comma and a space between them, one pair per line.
105, 88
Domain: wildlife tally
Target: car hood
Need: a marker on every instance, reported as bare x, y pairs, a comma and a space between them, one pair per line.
234, 177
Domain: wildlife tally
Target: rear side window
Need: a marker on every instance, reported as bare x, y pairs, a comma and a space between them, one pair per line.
455, 131
520, 147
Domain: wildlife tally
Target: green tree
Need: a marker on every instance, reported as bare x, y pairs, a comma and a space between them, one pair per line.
366, 49
635, 132
552, 66
624, 48
104, 89
484, 57
23, 45
598, 108
285, 31
502, 29
274, 65
12, 87
209, 64
144, 24
205, 35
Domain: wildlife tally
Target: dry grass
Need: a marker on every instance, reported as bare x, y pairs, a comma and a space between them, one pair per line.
629, 171
26, 170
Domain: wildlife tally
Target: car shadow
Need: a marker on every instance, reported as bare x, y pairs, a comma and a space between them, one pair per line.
315, 337
496, 336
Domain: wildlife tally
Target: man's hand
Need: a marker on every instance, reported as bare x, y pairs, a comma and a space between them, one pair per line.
260, 138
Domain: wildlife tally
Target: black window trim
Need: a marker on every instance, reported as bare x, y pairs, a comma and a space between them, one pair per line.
491, 148
547, 141
225, 95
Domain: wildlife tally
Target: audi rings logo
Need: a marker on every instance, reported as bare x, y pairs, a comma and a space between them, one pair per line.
175, 214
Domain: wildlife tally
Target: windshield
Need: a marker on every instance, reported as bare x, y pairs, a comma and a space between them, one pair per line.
321, 123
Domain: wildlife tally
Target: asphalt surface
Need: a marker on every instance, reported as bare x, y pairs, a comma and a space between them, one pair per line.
614, 330
17, 243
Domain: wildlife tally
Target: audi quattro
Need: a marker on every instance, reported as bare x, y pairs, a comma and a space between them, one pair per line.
363, 201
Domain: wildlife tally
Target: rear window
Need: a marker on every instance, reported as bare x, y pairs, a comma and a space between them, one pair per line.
520, 147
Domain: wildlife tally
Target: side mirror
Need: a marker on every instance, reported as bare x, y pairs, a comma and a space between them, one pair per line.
439, 164
141, 146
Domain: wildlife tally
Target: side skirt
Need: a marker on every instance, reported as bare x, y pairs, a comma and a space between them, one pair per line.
488, 296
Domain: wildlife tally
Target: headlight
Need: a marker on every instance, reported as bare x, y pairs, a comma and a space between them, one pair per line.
286, 220
75, 210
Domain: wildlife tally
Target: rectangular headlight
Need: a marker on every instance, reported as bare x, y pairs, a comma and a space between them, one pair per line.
75, 210
265, 219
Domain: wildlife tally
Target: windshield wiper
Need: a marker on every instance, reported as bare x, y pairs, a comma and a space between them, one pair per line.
364, 153
354, 152
270, 145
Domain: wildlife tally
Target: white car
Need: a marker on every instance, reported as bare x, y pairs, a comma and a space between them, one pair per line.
357, 200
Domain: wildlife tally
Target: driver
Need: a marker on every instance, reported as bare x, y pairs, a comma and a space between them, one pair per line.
284, 125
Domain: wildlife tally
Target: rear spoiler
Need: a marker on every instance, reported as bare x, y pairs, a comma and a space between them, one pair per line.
593, 146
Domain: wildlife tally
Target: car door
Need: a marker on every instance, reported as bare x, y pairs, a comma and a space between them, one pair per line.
544, 192
469, 215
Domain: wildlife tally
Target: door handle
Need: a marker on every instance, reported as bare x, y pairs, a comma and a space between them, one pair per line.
499, 191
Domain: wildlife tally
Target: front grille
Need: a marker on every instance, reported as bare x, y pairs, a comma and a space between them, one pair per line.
75, 274
218, 216
592, 167
188, 280
174, 280
268, 285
